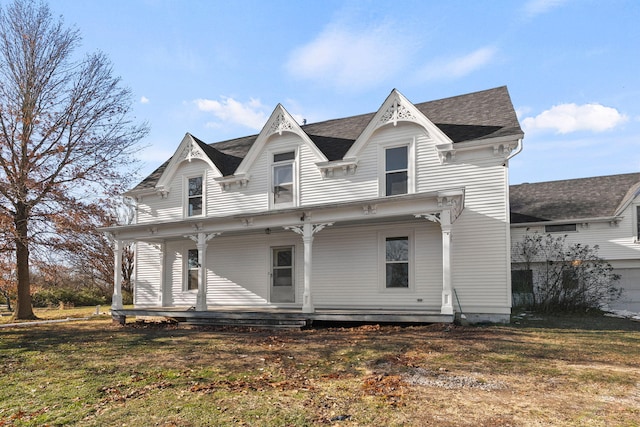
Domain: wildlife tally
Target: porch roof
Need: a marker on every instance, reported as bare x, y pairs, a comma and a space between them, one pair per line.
431, 204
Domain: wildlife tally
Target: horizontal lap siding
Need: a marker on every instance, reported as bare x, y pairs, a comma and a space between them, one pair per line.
147, 280
346, 268
615, 242
479, 239
238, 270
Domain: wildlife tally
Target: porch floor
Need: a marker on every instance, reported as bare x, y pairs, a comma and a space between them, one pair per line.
281, 317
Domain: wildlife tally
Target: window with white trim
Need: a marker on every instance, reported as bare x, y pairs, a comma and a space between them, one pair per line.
191, 281
283, 179
396, 260
195, 196
396, 170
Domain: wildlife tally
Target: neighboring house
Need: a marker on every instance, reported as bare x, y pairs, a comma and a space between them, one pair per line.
405, 208
603, 211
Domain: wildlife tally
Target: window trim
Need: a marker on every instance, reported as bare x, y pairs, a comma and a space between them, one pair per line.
382, 259
411, 166
186, 197
187, 272
294, 175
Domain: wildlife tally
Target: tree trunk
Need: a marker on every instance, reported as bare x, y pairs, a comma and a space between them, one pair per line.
24, 310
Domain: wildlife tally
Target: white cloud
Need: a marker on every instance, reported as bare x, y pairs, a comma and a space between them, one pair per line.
144, 100
251, 114
351, 58
459, 66
567, 118
534, 8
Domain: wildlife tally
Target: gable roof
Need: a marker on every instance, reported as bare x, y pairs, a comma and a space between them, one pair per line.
478, 115
596, 197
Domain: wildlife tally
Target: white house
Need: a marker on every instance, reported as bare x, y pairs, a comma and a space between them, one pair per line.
403, 209
603, 211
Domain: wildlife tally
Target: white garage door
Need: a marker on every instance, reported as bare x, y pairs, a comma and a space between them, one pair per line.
630, 282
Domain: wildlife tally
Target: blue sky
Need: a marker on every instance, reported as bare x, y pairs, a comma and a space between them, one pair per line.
217, 69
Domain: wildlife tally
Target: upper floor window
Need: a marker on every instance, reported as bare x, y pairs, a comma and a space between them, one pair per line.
396, 167
638, 223
283, 188
194, 197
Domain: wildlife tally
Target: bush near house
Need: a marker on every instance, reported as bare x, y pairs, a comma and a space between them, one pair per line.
550, 275
71, 297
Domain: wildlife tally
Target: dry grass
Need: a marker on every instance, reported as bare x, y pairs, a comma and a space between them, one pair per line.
567, 371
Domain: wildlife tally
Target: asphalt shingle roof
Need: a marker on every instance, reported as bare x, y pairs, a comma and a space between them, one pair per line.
596, 197
478, 115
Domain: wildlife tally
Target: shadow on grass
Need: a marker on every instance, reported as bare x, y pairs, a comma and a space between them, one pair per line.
585, 321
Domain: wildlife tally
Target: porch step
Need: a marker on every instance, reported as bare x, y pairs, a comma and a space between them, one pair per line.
251, 322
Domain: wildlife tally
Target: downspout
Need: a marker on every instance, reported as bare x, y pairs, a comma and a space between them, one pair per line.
509, 284
516, 151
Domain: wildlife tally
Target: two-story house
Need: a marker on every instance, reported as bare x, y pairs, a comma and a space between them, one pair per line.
403, 209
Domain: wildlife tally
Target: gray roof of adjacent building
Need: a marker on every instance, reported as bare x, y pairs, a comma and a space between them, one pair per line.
573, 199
474, 116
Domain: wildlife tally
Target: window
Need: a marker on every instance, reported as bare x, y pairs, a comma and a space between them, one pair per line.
637, 223
194, 202
559, 228
396, 164
283, 179
192, 269
397, 262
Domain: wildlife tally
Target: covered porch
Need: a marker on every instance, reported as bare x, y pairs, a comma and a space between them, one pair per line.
442, 208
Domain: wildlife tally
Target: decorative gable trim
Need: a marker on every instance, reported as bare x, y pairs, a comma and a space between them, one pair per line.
280, 121
188, 150
396, 108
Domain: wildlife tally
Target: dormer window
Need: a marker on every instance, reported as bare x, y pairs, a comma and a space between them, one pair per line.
283, 179
194, 197
396, 164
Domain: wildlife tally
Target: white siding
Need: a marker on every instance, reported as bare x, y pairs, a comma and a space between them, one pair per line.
147, 278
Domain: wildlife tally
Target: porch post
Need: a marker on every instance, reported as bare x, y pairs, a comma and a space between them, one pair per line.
116, 300
307, 230
201, 299
163, 281
307, 239
201, 240
447, 292
444, 219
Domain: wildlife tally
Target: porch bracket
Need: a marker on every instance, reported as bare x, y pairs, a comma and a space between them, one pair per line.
307, 230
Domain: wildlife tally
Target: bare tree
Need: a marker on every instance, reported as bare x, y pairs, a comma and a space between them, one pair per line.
65, 131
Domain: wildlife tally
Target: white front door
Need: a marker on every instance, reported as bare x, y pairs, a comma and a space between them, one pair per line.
282, 274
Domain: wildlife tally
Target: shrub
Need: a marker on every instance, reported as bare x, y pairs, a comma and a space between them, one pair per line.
551, 275
55, 296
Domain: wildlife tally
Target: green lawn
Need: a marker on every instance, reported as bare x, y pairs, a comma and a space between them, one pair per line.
573, 371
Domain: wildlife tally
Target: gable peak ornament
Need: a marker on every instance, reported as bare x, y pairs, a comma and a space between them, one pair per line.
281, 123
397, 111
